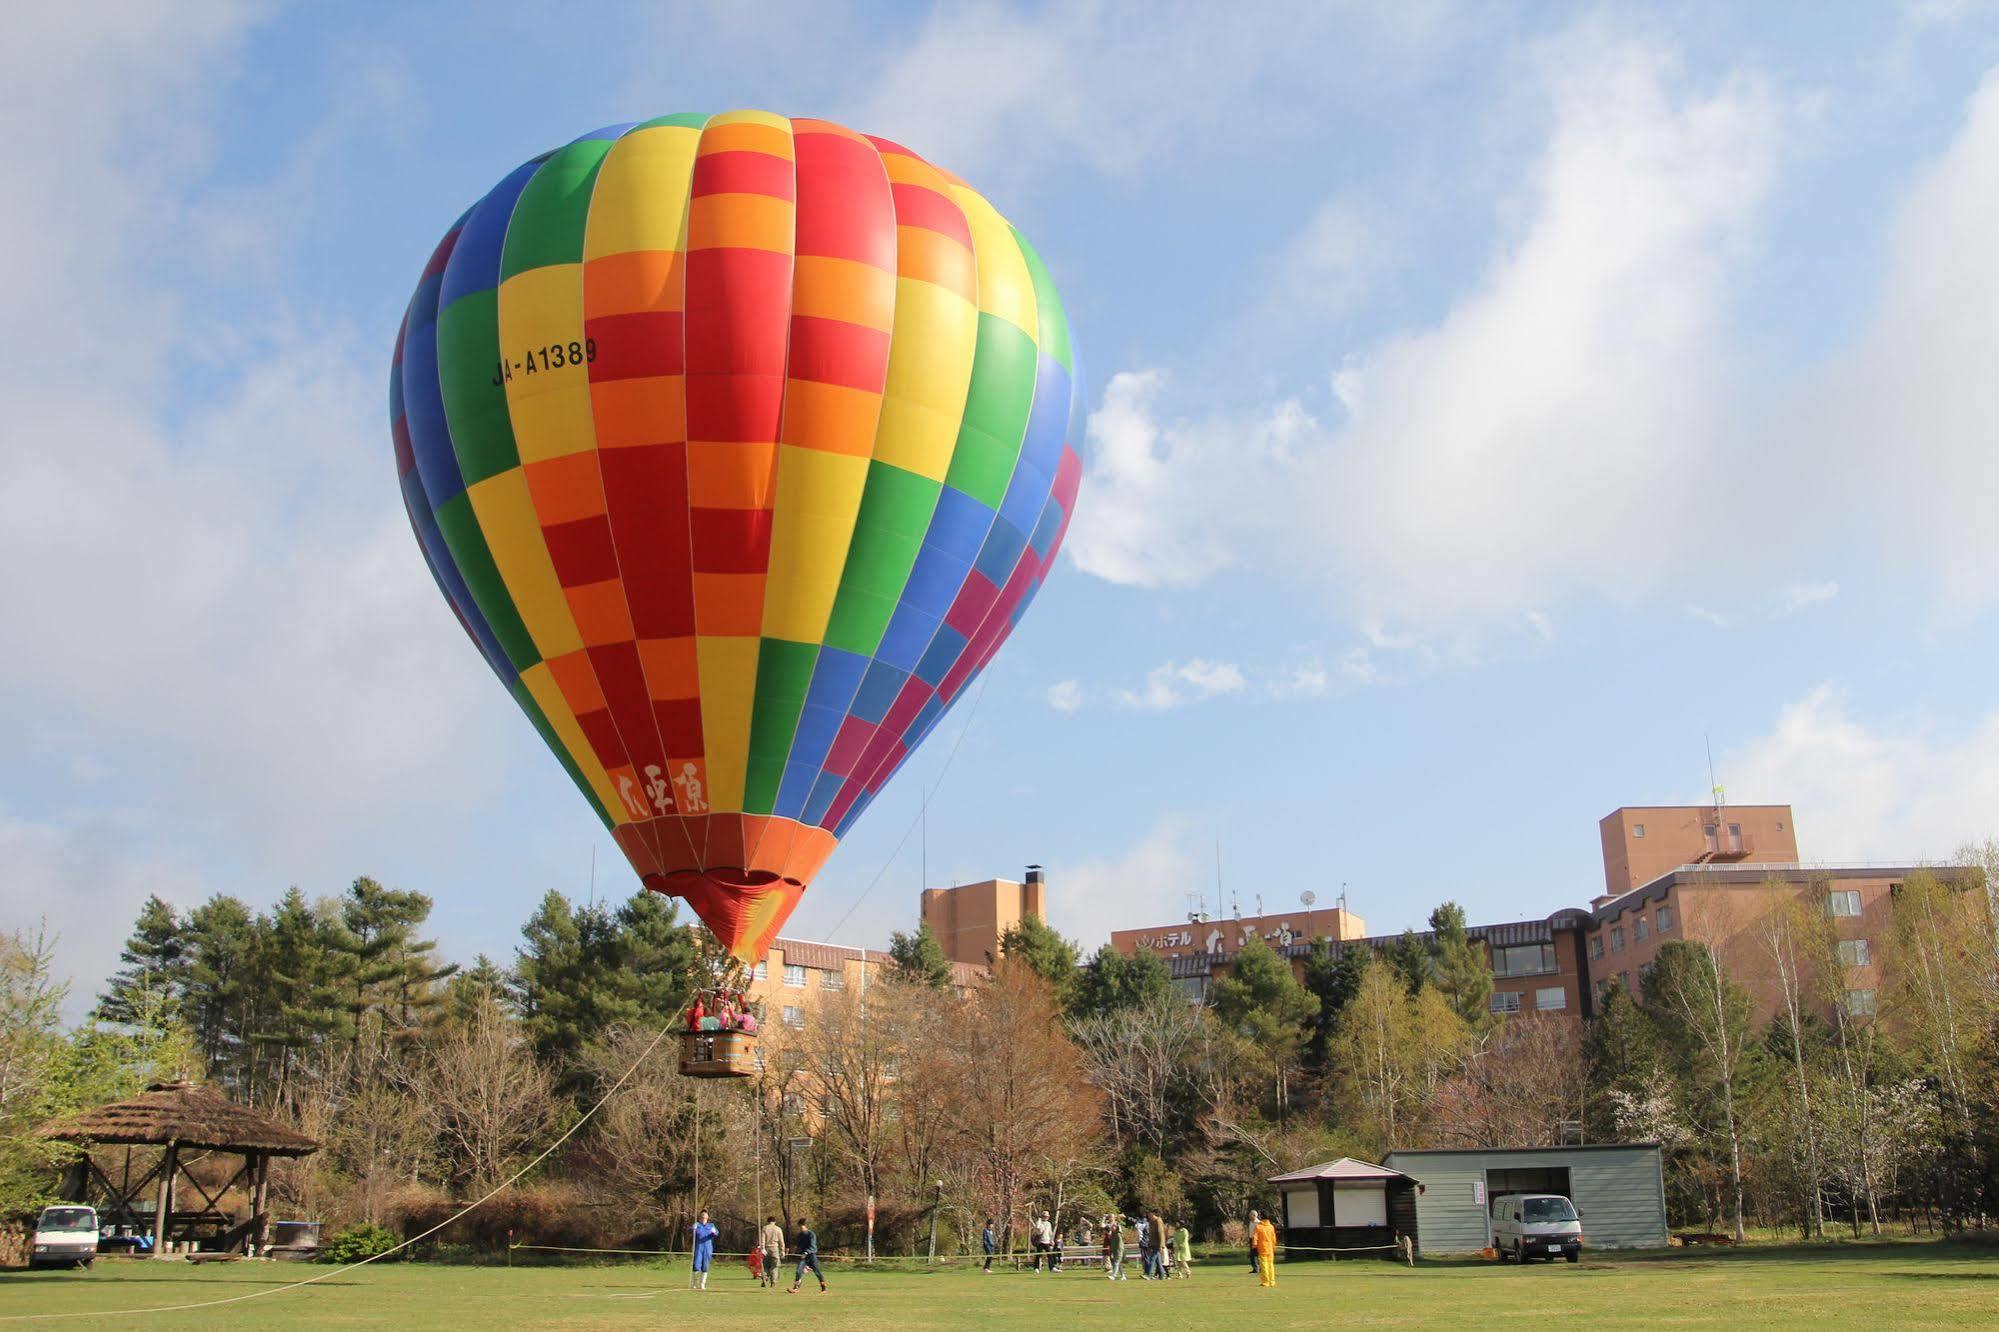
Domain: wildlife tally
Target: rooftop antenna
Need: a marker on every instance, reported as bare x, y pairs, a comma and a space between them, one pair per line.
1713, 786
1235, 907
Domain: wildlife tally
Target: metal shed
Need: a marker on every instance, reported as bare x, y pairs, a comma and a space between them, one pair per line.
1618, 1188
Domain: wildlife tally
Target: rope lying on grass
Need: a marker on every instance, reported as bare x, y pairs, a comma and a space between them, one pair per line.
462, 1212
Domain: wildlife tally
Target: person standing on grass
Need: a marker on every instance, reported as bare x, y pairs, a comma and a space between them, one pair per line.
808, 1256
990, 1243
1155, 1230
1263, 1243
772, 1243
1255, 1218
1044, 1243
1110, 1248
704, 1250
1183, 1252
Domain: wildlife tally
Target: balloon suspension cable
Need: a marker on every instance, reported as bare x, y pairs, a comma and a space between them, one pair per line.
461, 1213
921, 810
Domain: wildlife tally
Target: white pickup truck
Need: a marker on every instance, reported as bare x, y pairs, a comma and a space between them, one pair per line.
66, 1235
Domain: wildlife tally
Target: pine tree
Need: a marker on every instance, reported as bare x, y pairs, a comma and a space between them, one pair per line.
1458, 966
1335, 978
1410, 960
302, 970
1261, 999
221, 986
1110, 982
1048, 954
390, 974
153, 960
919, 958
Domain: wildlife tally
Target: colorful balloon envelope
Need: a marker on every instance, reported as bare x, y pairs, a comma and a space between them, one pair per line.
738, 444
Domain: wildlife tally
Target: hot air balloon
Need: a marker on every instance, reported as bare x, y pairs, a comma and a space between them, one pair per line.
738, 444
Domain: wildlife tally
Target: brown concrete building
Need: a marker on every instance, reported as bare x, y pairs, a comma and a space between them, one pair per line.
1205, 937
1728, 908
1538, 965
970, 919
797, 974
1642, 842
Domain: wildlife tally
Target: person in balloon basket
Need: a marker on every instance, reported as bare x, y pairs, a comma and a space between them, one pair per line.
704, 1250
808, 1256
771, 1245
1263, 1243
989, 1242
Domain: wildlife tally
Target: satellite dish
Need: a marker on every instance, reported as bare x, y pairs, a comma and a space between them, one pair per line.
1308, 897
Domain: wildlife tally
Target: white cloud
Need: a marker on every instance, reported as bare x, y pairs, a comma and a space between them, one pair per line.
1145, 885
1065, 695
1175, 683
1505, 457
1803, 596
1866, 791
1907, 423
1706, 616
1570, 401
1007, 92
1542, 625
1304, 680
1168, 505
222, 628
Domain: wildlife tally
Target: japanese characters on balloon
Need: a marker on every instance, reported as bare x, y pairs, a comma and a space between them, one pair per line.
738, 444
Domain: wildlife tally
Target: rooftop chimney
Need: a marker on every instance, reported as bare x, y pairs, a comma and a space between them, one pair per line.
1034, 874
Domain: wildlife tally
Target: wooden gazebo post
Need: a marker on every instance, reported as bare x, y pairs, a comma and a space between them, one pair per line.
260, 1172
164, 1206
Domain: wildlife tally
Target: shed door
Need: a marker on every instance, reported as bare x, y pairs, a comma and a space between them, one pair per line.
1360, 1204
1301, 1207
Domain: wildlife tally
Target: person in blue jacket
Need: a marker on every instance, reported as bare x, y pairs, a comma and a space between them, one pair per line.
704, 1250
808, 1256
990, 1243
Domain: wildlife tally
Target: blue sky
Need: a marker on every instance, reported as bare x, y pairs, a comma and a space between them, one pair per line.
1490, 407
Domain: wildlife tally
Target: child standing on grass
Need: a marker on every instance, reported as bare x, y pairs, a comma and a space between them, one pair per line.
1183, 1252
704, 1250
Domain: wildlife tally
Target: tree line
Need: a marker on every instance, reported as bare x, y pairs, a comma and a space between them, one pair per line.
1083, 1085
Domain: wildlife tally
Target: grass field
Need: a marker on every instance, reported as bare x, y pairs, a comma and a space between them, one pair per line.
1866, 1285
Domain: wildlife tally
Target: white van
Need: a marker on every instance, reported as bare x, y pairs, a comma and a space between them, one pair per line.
65, 1234
1525, 1225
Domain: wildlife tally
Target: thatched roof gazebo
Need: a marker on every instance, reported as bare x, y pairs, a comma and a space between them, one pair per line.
176, 1116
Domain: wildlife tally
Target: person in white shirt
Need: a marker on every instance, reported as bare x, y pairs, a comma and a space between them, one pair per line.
1044, 1243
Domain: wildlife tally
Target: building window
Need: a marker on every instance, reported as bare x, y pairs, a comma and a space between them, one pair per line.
794, 977
1843, 902
1860, 1003
1504, 1001
1624, 979
1665, 919
1617, 938
1853, 952
832, 980
1524, 960
1735, 830
794, 1016
1637, 830
760, 972
1550, 999
794, 1104
1596, 945
1640, 928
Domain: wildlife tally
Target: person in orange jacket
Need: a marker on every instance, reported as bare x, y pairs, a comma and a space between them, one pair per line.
1263, 1243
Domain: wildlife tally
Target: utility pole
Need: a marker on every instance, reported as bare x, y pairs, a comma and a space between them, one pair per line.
935, 1208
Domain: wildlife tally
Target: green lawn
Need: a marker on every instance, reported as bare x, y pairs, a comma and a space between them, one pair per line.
1868, 1285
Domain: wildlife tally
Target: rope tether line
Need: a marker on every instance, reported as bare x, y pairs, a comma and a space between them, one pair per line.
464, 1211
